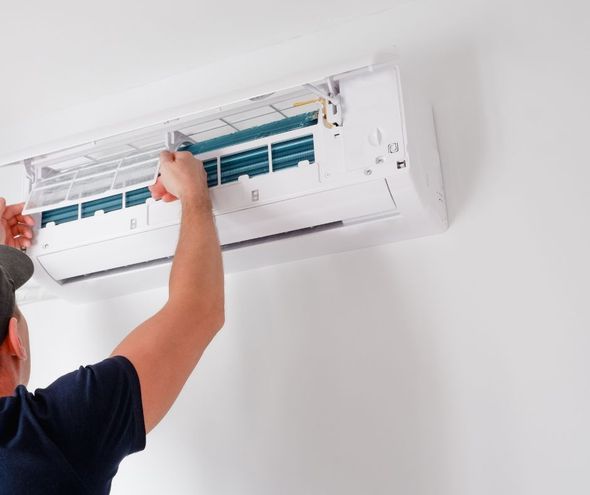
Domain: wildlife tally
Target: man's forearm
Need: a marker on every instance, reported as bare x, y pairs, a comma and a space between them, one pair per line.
196, 279
165, 348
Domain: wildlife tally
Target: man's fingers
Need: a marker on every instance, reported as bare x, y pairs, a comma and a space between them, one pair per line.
183, 154
166, 156
18, 242
13, 210
24, 220
20, 229
28, 219
156, 186
2, 206
22, 242
156, 194
158, 190
13, 215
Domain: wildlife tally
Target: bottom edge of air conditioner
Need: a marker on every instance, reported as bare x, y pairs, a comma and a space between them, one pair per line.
224, 248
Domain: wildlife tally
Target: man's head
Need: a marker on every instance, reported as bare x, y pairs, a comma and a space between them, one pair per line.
15, 269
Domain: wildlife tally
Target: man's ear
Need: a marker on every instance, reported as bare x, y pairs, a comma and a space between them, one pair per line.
15, 345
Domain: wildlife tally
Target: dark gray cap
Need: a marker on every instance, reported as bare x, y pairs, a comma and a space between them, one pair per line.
15, 269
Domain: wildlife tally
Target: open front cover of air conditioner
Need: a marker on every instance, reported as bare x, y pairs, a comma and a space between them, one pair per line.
333, 164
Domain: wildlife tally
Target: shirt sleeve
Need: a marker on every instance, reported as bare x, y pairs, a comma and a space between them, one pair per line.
94, 416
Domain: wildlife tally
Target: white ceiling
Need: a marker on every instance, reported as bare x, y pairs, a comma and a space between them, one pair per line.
62, 53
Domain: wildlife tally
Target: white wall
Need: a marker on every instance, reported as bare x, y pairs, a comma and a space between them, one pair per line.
454, 364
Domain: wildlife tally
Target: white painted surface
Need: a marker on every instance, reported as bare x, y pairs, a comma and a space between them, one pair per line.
454, 364
71, 53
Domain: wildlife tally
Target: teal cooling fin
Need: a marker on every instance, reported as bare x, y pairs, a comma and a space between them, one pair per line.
284, 154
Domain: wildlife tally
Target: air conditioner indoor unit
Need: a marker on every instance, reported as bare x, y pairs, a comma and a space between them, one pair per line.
328, 164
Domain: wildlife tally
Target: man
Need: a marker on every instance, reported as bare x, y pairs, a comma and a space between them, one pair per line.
70, 437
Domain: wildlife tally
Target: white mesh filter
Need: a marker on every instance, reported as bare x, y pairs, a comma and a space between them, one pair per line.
130, 161
70, 187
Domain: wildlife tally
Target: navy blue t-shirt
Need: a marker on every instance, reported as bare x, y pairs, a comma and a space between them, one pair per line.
70, 437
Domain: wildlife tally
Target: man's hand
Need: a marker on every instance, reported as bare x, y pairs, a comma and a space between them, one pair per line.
182, 176
15, 228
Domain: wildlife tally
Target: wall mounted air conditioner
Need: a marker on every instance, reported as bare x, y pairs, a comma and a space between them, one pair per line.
329, 164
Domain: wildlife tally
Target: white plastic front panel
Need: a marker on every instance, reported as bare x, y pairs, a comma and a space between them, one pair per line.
373, 130
158, 239
306, 211
113, 253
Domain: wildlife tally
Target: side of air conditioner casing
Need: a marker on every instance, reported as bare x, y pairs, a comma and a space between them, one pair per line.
375, 179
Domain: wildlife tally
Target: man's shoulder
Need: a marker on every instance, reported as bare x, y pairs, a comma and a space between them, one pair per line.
80, 427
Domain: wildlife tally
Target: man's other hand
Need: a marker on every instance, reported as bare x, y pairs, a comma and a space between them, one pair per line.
15, 228
182, 176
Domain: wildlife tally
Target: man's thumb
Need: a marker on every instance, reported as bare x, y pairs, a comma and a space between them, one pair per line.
166, 156
2, 206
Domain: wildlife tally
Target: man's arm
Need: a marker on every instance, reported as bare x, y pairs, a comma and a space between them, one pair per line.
166, 348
